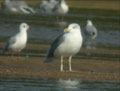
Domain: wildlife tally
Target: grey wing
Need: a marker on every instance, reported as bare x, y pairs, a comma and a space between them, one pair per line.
54, 45
19, 3
56, 7
91, 30
11, 41
27, 10
26, 7
44, 8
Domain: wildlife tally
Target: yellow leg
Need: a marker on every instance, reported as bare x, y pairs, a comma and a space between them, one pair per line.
70, 68
61, 67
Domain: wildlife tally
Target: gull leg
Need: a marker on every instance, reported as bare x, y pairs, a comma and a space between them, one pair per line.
70, 69
93, 44
57, 18
61, 68
62, 17
18, 54
12, 53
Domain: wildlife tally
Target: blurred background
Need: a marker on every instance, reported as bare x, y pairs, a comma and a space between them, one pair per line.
104, 15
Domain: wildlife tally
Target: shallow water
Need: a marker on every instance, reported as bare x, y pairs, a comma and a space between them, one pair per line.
46, 28
42, 33
39, 84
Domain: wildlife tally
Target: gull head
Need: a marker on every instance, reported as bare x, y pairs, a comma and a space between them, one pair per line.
89, 22
24, 27
73, 28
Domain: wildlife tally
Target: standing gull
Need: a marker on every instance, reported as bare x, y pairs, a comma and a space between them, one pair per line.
47, 7
90, 32
18, 42
44, 6
66, 45
61, 8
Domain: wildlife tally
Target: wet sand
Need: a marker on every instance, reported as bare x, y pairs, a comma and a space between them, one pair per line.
28, 66
82, 68
45, 47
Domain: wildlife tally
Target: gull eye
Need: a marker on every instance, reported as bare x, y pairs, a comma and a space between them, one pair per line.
24, 26
74, 27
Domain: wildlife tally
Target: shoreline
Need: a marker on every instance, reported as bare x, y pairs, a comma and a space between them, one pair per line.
40, 50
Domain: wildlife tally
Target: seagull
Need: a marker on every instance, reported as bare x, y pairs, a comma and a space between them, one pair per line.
17, 42
66, 45
90, 32
61, 8
43, 5
53, 2
18, 7
48, 6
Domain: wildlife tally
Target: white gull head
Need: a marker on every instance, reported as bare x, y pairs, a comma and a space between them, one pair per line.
74, 27
89, 22
24, 27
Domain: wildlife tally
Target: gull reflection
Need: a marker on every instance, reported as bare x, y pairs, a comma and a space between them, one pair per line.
68, 84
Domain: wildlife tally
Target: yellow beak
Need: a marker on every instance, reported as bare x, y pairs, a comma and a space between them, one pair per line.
66, 30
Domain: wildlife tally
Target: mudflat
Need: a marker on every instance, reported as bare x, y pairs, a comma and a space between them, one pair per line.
82, 68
